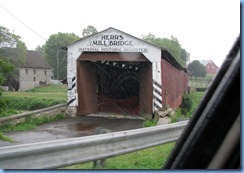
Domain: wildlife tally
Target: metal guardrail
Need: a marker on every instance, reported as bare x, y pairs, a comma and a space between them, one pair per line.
65, 152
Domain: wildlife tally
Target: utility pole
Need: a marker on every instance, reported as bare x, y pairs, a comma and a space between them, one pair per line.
57, 63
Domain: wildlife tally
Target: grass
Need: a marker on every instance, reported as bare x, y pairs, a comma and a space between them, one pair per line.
5, 138
149, 122
37, 98
25, 103
55, 88
150, 158
57, 92
196, 98
43, 95
9, 112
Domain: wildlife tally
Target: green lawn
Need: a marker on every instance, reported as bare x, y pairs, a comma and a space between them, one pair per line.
150, 158
56, 88
45, 92
37, 98
196, 98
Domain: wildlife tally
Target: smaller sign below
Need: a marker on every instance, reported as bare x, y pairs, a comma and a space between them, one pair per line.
112, 49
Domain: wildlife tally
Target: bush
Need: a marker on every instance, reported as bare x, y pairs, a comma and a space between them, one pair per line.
11, 111
186, 104
5, 107
30, 103
5, 138
201, 89
150, 122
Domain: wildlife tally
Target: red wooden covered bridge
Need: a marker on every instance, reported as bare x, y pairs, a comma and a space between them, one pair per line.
112, 71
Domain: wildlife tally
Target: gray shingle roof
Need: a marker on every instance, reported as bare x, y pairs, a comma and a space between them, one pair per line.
34, 60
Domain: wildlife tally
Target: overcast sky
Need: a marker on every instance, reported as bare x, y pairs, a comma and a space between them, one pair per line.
207, 29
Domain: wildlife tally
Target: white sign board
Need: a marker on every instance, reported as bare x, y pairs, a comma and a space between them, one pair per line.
112, 40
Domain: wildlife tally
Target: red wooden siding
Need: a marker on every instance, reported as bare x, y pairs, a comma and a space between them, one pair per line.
174, 84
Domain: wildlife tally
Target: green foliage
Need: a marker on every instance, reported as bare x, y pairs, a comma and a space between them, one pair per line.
9, 111
7, 39
196, 69
179, 115
13, 51
6, 108
5, 138
37, 98
196, 98
40, 49
150, 158
89, 30
172, 45
52, 51
149, 122
50, 88
5, 69
29, 123
32, 103
186, 104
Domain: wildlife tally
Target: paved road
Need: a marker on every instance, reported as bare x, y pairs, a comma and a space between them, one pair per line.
70, 128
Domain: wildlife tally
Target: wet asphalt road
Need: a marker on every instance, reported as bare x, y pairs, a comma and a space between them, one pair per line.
70, 128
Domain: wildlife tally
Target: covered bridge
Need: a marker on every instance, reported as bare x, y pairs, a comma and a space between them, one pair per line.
112, 71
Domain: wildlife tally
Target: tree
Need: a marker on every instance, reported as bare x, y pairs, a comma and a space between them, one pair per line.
186, 104
56, 56
12, 46
13, 51
196, 69
172, 45
5, 70
40, 49
89, 30
6, 38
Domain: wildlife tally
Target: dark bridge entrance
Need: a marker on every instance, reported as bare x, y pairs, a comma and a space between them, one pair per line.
114, 82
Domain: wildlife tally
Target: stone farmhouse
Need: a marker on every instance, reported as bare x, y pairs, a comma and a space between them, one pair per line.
210, 66
34, 72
